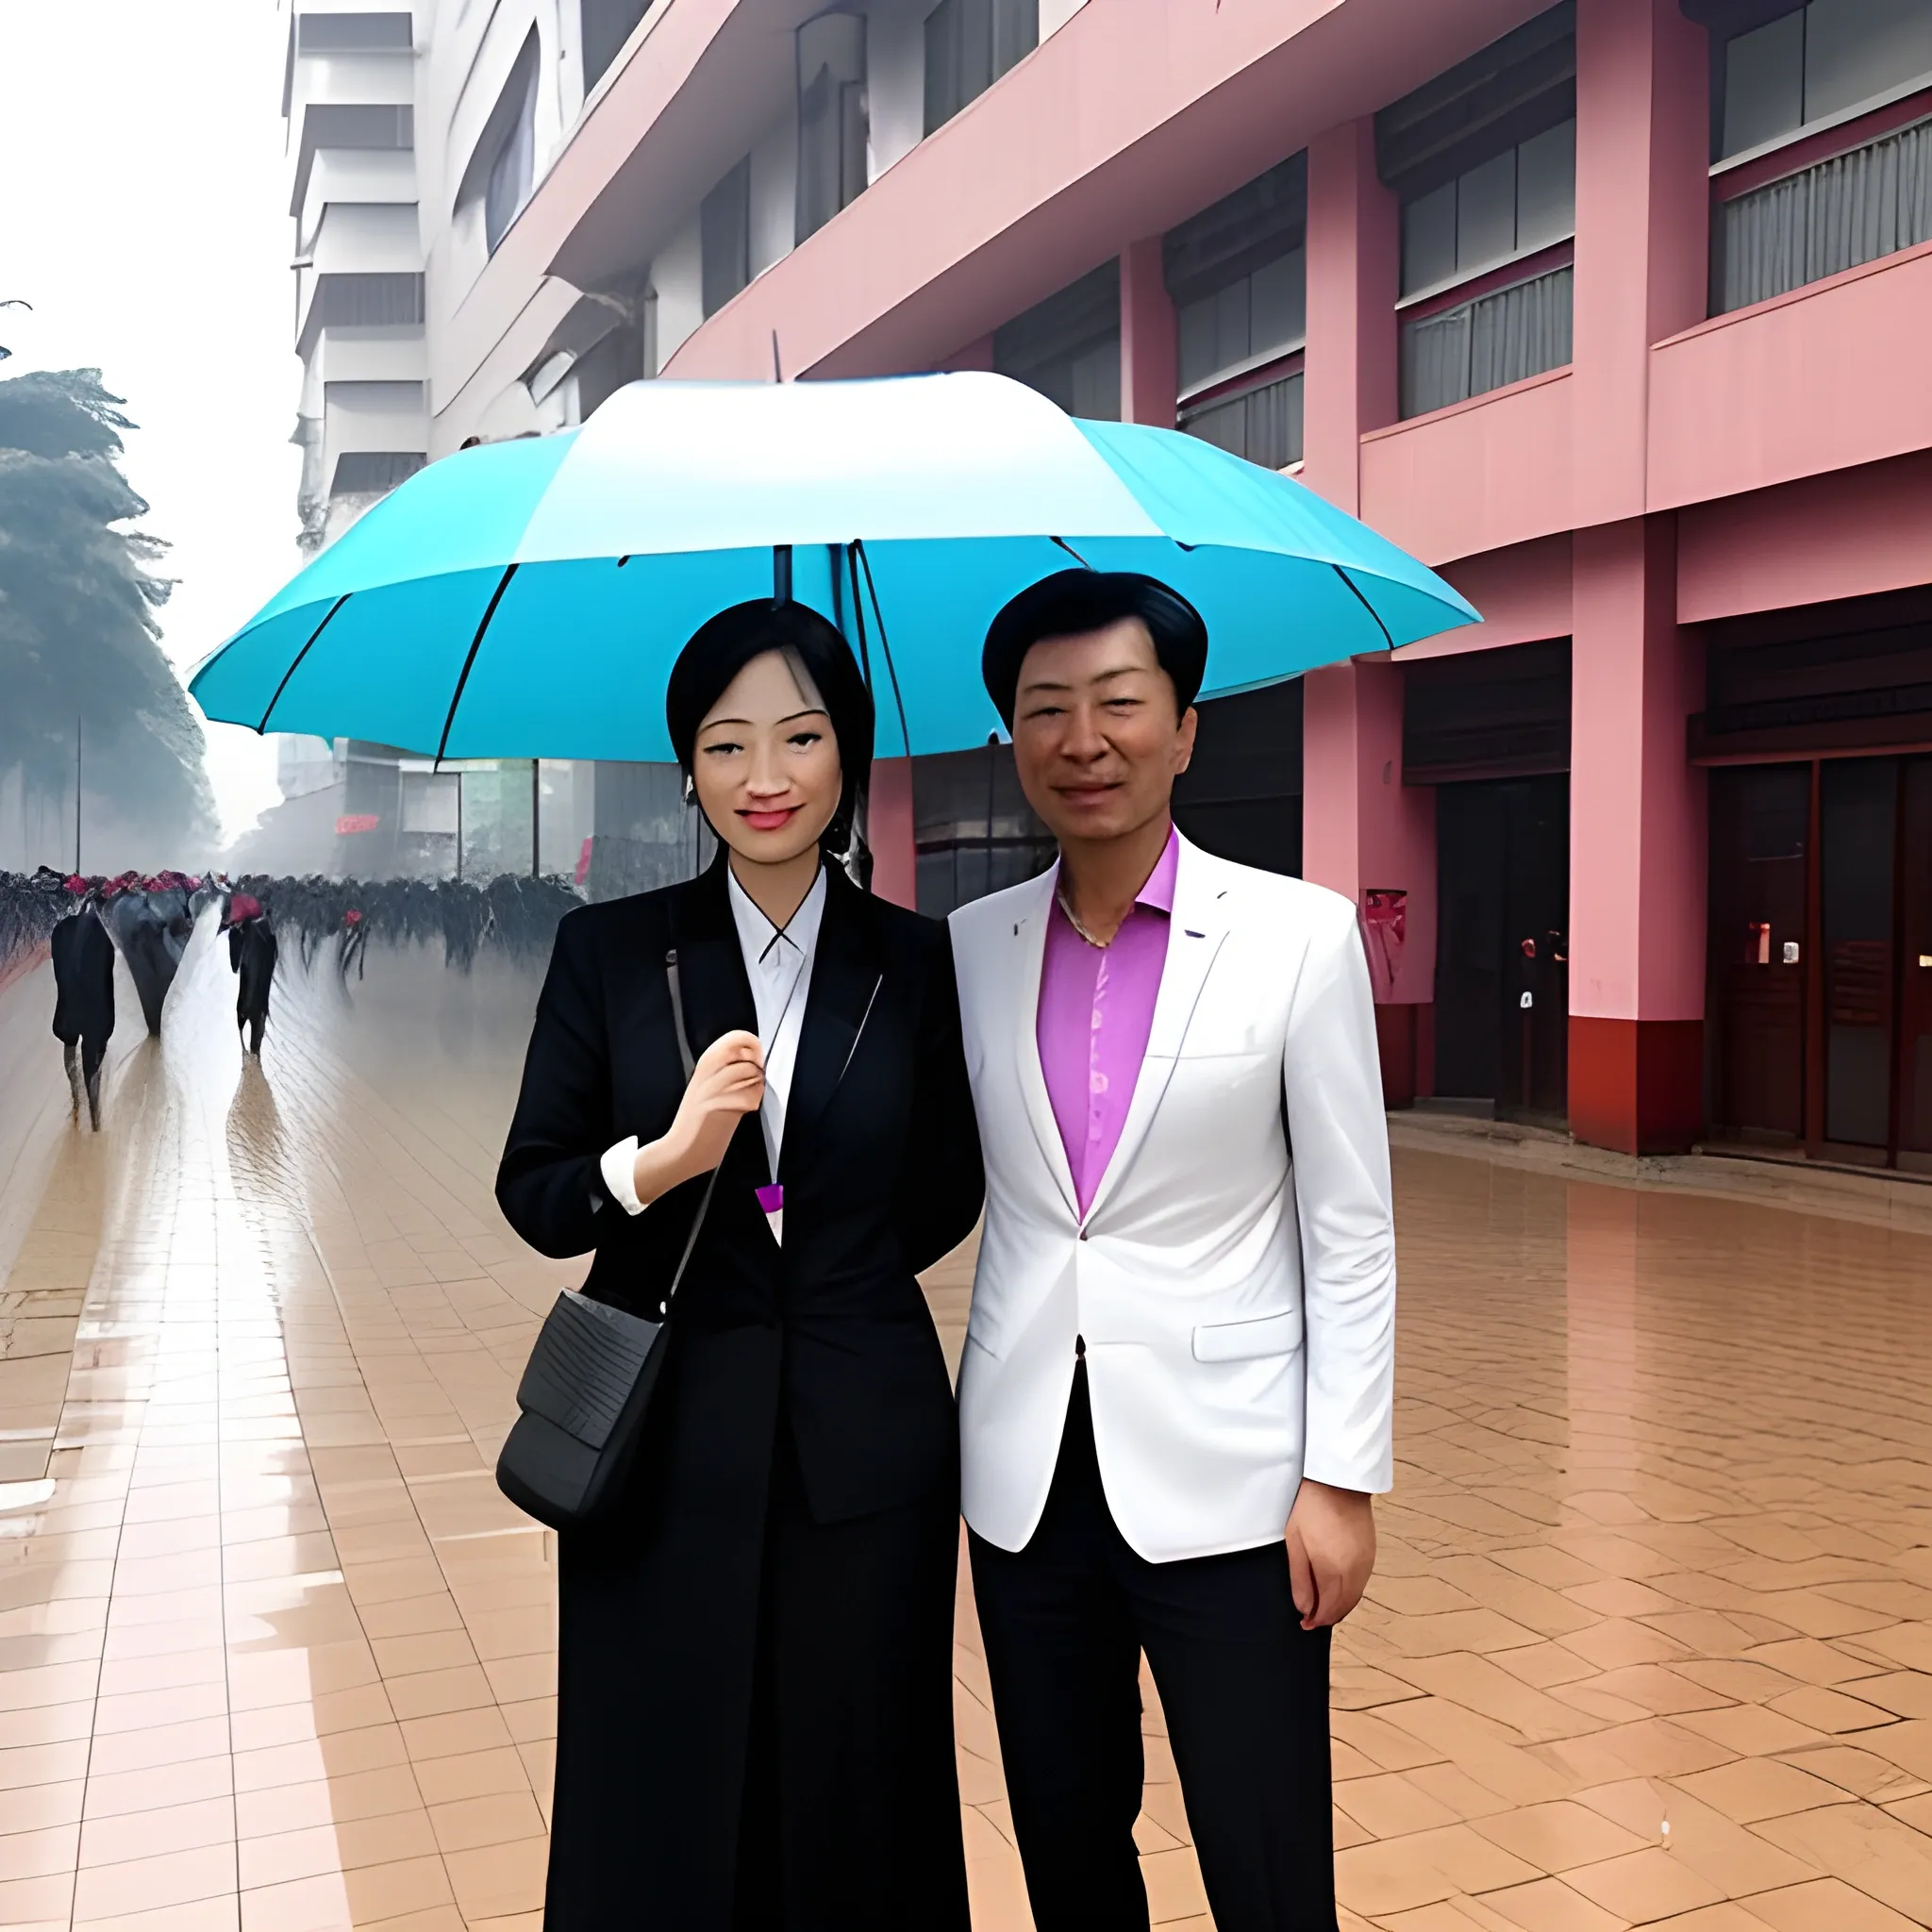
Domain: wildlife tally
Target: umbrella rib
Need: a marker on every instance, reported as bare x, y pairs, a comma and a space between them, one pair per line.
1364, 603
261, 728
858, 614
1070, 551
475, 645
885, 642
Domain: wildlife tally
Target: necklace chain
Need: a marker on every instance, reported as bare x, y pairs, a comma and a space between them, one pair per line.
1074, 919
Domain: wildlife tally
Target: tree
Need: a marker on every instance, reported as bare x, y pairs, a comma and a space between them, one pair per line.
78, 637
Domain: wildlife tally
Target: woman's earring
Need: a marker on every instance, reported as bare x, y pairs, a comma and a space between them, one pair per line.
691, 790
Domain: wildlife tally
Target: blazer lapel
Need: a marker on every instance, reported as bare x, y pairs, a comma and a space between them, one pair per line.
1028, 958
846, 982
1199, 925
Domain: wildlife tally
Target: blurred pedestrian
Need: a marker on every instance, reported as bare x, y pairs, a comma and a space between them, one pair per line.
252, 957
83, 996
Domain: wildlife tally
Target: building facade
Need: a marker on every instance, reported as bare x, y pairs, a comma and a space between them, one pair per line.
1614, 311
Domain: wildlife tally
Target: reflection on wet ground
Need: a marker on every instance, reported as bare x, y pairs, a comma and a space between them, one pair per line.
1650, 1642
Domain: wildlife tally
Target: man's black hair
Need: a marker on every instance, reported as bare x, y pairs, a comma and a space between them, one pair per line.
722, 646
1072, 602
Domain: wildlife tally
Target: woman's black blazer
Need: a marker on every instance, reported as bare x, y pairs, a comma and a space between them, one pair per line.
880, 1166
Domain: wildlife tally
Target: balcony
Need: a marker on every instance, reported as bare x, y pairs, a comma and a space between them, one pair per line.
1830, 376
1473, 477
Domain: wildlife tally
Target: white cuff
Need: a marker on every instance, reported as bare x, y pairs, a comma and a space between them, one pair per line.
619, 1169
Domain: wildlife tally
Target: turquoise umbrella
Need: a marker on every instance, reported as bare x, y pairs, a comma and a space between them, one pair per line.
526, 599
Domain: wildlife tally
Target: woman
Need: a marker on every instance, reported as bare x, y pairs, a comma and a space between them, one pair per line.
755, 1715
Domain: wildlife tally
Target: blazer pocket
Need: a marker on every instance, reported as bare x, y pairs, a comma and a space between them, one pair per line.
1240, 1341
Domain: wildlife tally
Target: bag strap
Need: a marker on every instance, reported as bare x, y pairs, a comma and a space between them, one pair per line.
690, 1060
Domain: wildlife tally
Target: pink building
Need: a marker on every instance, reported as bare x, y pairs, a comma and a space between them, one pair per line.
1619, 312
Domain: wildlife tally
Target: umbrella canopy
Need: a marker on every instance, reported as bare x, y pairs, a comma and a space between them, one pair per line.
526, 599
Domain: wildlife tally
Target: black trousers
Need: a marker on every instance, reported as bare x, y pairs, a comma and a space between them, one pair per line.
1243, 1686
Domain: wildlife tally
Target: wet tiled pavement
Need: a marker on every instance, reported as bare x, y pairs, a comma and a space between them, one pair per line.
1650, 1642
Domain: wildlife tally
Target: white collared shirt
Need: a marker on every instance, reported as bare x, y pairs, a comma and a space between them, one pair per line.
777, 962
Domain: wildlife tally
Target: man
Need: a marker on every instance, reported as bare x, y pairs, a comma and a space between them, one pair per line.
1176, 1400
83, 998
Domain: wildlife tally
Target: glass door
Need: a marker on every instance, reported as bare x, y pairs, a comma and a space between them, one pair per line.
1858, 836
1915, 967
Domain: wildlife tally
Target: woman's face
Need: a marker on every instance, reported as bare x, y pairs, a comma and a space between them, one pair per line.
766, 765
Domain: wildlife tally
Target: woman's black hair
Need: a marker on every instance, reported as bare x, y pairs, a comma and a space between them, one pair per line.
722, 646
1072, 602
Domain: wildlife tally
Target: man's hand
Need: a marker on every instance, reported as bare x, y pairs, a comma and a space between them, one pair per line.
1331, 1550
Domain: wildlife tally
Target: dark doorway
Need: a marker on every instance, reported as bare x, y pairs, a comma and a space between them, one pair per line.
1821, 956
1501, 957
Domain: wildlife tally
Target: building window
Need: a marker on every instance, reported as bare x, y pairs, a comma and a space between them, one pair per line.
1068, 346
353, 33
968, 45
1262, 423
1238, 275
1817, 63
1483, 161
513, 159
1853, 208
605, 25
831, 117
1486, 343
362, 301
724, 237
1512, 205
371, 472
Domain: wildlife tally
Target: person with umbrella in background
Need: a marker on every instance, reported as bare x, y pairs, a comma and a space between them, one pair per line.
755, 1654
83, 995
252, 957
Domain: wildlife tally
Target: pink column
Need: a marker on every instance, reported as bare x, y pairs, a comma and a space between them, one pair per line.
1149, 368
1638, 841
1642, 229
1364, 831
890, 832
1353, 263
1637, 847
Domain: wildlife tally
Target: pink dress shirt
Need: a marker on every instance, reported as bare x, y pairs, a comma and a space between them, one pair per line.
1096, 1010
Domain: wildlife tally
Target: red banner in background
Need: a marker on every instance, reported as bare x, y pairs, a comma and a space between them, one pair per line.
1384, 923
356, 821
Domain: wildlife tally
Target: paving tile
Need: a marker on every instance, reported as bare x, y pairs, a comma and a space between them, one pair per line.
276, 1658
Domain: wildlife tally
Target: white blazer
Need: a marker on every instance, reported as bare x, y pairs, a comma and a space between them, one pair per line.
1237, 1306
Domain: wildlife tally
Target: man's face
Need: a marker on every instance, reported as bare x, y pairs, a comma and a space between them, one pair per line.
1095, 735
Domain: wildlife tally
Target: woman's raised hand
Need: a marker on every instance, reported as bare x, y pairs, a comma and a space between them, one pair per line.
727, 1083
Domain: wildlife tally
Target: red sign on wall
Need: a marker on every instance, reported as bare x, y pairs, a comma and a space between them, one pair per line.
356, 821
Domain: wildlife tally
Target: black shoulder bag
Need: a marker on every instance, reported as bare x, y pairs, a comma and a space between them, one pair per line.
589, 1383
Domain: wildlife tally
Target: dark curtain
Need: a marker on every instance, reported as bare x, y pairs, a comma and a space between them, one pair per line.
1483, 344
1849, 210
1264, 425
